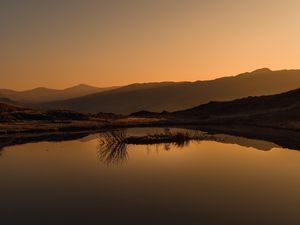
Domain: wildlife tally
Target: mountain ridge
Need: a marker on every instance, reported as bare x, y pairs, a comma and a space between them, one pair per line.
280, 111
43, 94
174, 96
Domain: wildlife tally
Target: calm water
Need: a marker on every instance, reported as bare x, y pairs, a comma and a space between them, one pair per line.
234, 181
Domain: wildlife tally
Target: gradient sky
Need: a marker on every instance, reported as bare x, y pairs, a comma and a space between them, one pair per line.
61, 43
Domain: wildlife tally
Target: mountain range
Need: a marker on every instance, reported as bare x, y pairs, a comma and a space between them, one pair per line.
280, 110
273, 111
42, 94
173, 96
156, 97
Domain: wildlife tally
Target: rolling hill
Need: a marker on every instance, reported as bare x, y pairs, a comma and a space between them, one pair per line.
8, 101
38, 95
173, 96
11, 114
275, 111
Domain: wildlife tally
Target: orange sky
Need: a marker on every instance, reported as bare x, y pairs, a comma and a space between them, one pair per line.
115, 42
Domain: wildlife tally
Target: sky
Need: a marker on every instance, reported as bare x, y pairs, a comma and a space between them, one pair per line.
61, 43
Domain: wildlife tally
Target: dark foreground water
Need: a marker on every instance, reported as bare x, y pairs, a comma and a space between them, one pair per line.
233, 181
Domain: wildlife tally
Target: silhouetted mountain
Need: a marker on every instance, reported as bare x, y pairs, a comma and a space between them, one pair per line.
280, 111
6, 108
45, 94
8, 101
10, 113
172, 96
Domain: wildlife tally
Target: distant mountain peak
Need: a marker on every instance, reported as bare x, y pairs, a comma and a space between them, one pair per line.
255, 73
40, 89
262, 70
82, 85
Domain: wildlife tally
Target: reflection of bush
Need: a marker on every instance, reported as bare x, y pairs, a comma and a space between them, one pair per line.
112, 148
180, 139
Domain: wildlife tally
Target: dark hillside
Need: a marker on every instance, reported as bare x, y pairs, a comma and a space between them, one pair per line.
170, 96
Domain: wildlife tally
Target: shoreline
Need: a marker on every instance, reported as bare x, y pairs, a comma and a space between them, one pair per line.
27, 132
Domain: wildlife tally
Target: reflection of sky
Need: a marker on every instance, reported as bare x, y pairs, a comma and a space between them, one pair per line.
50, 182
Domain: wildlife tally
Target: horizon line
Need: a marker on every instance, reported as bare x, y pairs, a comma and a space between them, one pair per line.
146, 82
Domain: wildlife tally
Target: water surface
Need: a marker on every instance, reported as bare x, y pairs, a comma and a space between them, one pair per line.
229, 181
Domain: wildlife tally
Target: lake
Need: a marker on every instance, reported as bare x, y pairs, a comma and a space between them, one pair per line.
225, 180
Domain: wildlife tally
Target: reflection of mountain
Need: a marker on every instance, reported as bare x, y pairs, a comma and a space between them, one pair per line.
176, 96
222, 138
45, 94
89, 138
113, 150
245, 142
12, 141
